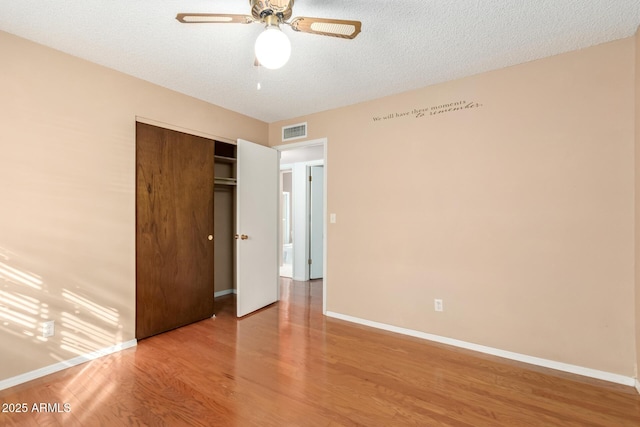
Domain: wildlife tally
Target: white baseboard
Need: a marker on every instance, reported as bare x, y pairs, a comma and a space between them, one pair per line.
574, 369
223, 293
23, 378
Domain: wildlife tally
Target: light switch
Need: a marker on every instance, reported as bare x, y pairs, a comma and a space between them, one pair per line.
332, 218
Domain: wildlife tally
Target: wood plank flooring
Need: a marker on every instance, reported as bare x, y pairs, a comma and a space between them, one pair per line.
287, 365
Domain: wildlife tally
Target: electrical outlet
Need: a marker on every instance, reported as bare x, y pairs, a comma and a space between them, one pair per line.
437, 305
48, 329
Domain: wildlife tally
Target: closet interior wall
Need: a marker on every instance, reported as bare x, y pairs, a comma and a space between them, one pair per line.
224, 217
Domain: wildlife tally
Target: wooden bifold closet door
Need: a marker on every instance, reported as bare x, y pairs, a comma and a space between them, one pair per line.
174, 228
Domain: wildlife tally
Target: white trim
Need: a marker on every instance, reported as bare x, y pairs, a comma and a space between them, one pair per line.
294, 145
225, 292
28, 376
325, 260
300, 219
565, 367
638, 386
311, 164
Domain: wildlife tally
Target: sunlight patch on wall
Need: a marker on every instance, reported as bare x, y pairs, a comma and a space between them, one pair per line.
27, 300
21, 302
20, 277
20, 313
82, 325
81, 336
12, 316
107, 315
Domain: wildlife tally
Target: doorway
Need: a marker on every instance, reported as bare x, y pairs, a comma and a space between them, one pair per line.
286, 226
302, 245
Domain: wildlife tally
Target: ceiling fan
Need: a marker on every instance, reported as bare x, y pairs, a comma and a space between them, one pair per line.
272, 46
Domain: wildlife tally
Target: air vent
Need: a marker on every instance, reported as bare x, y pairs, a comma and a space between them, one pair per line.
294, 132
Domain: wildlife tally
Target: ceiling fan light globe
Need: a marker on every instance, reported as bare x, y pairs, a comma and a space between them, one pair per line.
272, 48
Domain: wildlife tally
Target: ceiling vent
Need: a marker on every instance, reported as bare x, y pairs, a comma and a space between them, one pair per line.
294, 132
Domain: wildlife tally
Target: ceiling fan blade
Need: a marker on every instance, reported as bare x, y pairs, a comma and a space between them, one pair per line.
213, 18
327, 27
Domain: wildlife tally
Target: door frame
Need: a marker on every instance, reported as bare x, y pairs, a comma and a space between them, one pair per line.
310, 219
325, 143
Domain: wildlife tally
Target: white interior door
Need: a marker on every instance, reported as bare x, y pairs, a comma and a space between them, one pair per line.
316, 223
257, 226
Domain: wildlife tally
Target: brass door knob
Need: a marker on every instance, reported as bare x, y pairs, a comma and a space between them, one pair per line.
237, 236
244, 237
210, 237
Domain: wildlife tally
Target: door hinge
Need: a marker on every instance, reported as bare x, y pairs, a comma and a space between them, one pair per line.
310, 178
310, 262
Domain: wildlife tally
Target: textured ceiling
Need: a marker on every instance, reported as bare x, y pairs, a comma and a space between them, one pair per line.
404, 44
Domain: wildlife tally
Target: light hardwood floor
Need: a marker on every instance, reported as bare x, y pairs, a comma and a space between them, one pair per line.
288, 365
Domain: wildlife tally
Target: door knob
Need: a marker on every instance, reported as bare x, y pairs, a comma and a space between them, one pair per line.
210, 237
244, 237
237, 236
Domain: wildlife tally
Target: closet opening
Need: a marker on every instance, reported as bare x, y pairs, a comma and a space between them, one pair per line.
224, 195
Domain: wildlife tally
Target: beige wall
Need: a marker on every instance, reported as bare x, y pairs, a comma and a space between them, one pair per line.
67, 198
518, 211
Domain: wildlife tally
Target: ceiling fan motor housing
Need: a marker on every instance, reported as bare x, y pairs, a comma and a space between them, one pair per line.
260, 9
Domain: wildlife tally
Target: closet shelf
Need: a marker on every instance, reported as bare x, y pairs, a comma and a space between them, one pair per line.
224, 159
224, 181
